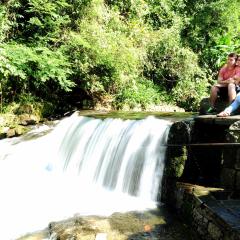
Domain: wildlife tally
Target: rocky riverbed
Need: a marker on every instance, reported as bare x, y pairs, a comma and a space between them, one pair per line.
147, 225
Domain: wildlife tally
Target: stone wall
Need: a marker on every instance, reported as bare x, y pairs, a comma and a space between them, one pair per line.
212, 165
193, 154
230, 175
197, 206
176, 156
187, 160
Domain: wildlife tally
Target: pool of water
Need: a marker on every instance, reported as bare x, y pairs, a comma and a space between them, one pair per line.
39, 166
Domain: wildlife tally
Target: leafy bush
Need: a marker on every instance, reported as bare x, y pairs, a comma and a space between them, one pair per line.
188, 94
210, 25
141, 95
124, 52
27, 69
175, 68
107, 54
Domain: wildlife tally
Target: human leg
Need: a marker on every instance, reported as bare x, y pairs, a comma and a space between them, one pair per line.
230, 109
234, 105
231, 92
213, 95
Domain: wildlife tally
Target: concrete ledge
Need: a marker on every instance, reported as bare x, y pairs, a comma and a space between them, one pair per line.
213, 119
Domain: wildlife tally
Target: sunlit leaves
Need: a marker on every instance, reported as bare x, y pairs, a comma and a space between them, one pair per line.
127, 51
24, 64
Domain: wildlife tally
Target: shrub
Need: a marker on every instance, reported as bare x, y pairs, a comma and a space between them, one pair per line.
37, 70
141, 95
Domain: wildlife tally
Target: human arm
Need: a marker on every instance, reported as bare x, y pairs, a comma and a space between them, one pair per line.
226, 82
237, 80
237, 76
222, 77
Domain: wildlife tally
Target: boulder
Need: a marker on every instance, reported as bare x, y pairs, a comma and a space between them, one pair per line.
3, 132
220, 105
11, 133
28, 119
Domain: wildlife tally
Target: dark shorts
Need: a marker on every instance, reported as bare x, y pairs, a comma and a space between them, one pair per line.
223, 91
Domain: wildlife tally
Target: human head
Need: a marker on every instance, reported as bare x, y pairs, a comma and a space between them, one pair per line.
238, 61
231, 60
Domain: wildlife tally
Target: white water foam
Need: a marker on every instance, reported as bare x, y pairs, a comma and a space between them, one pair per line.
84, 166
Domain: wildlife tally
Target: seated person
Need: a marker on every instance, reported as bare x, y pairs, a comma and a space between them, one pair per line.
236, 103
226, 82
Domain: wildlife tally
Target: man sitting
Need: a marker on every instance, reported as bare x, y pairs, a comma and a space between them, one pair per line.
226, 83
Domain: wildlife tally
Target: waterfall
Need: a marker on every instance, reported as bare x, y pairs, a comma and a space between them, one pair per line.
83, 166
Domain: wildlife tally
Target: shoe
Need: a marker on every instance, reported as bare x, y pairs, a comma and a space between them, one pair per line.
211, 110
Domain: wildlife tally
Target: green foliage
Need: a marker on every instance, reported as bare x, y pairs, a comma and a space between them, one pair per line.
38, 70
4, 23
217, 55
160, 14
175, 68
107, 54
38, 20
188, 94
141, 95
130, 9
212, 30
126, 53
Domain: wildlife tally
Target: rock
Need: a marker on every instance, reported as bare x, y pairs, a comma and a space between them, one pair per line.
3, 132
220, 105
11, 133
214, 231
26, 108
28, 119
19, 130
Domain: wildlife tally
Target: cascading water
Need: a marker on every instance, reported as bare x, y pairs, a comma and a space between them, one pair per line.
84, 166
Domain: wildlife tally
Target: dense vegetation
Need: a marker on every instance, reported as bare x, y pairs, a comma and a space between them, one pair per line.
62, 54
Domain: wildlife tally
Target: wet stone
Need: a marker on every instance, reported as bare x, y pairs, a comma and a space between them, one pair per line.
153, 224
214, 231
238, 180
11, 133
228, 177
